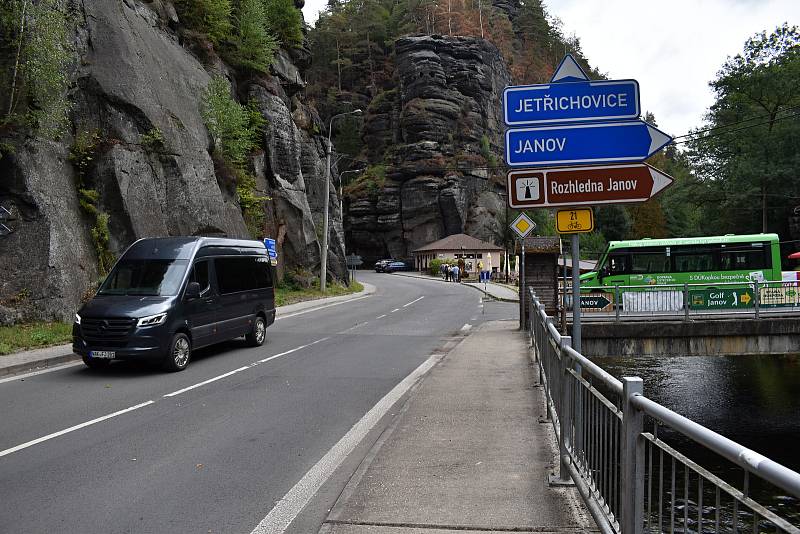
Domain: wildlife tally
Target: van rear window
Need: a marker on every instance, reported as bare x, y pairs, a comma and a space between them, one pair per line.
242, 274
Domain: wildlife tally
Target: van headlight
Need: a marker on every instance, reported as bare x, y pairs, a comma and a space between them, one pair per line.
152, 320
77, 319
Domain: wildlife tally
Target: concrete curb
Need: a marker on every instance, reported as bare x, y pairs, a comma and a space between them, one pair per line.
473, 285
36, 359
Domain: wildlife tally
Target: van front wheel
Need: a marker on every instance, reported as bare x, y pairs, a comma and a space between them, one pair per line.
180, 350
256, 336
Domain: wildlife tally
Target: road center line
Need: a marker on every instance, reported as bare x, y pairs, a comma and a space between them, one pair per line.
73, 428
204, 382
395, 310
287, 509
413, 301
380, 316
320, 308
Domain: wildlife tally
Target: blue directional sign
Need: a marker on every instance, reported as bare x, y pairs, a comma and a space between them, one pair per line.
585, 143
571, 102
269, 244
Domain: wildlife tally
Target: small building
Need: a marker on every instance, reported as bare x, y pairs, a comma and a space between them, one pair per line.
541, 274
457, 247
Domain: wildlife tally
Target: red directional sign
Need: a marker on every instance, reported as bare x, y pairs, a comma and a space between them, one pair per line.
577, 186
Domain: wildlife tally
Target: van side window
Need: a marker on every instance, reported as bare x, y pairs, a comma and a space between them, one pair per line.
199, 274
242, 274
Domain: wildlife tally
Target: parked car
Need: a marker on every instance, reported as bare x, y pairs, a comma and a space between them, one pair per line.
396, 266
380, 266
166, 297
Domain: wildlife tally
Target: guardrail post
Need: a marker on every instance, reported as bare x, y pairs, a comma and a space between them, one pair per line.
564, 416
632, 468
757, 298
617, 303
685, 302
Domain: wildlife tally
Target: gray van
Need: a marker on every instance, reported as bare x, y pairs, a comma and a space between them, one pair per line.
166, 297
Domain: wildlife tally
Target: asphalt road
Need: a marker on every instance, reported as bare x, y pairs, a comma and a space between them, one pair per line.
204, 451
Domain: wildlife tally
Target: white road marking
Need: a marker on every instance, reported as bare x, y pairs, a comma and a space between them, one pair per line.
320, 308
42, 371
204, 382
287, 509
73, 428
395, 310
132, 408
380, 316
413, 301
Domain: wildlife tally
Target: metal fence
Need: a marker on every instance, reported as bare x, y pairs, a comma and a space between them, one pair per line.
619, 449
686, 300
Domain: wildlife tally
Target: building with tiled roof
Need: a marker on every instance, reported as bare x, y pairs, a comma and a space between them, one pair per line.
458, 247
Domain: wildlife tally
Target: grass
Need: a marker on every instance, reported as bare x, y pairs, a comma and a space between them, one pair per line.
33, 336
288, 295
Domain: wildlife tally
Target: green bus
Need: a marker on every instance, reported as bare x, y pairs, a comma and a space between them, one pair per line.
689, 260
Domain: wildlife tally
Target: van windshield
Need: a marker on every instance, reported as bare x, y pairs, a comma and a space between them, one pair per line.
145, 277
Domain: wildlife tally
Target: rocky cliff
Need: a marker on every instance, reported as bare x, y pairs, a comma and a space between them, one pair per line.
134, 75
437, 139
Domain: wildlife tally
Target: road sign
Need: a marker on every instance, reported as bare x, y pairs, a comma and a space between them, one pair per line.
727, 298
269, 244
574, 221
569, 71
597, 301
582, 186
583, 143
571, 102
353, 260
523, 225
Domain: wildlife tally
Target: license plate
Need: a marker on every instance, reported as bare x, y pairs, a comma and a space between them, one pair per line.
102, 354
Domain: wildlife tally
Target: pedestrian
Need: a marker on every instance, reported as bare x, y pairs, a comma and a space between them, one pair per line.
456, 274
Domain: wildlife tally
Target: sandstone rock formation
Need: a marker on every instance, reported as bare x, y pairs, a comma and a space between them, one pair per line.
439, 135
134, 76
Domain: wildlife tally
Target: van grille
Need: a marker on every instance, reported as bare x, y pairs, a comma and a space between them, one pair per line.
107, 332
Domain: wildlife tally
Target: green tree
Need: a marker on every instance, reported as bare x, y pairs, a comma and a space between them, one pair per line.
613, 221
254, 46
284, 21
747, 155
211, 17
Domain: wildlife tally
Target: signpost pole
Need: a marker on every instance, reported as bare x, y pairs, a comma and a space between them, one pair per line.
522, 323
576, 293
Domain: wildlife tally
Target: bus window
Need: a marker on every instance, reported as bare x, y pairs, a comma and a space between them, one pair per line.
746, 258
692, 259
649, 260
618, 263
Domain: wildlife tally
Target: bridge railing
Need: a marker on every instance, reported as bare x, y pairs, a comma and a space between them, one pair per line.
687, 300
622, 452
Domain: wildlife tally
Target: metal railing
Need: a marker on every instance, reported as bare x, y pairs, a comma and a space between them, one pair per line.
750, 299
634, 480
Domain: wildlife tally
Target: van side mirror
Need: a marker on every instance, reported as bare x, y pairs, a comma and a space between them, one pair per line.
605, 271
193, 290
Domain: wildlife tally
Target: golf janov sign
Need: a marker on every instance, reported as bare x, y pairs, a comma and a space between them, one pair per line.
581, 186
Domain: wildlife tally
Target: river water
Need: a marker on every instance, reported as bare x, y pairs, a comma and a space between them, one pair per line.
753, 400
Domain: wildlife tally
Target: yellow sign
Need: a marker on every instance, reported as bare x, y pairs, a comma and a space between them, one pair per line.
523, 225
574, 221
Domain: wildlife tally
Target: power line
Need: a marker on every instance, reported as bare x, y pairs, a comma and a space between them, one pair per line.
696, 132
734, 130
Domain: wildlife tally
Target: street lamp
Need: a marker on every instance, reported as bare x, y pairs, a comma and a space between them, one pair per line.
323, 272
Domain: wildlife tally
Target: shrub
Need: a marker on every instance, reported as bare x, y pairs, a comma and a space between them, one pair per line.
234, 128
153, 139
435, 265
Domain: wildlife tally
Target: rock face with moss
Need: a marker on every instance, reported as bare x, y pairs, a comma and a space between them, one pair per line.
438, 138
137, 162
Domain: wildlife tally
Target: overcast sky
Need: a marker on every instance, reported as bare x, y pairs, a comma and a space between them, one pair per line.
673, 48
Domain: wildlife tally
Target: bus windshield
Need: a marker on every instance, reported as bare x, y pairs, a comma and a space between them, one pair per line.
145, 277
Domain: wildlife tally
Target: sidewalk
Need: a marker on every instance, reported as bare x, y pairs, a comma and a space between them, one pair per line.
32, 360
466, 453
490, 289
